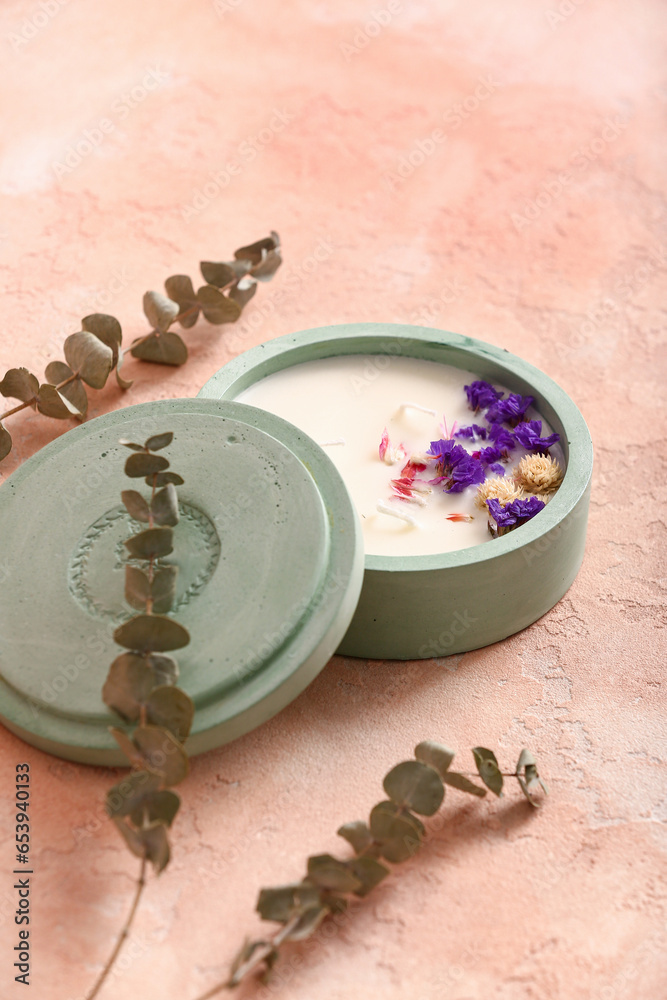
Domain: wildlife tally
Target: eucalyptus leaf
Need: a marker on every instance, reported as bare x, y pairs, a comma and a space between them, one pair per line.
530, 780
267, 267
489, 772
243, 291
165, 670
151, 634
131, 793
172, 709
5, 442
153, 543
19, 383
160, 311
218, 275
159, 441
89, 357
161, 753
136, 506
255, 251
128, 685
137, 588
329, 873
158, 806
216, 307
179, 287
131, 837
132, 445
163, 589
435, 755
357, 834
74, 396
240, 267
161, 348
398, 833
156, 843
143, 464
308, 923
526, 759
246, 951
164, 505
57, 372
370, 873
127, 746
283, 902
456, 780
52, 404
124, 383
163, 478
415, 785
106, 327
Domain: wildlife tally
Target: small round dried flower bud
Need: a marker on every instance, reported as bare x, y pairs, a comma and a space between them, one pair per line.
500, 488
538, 474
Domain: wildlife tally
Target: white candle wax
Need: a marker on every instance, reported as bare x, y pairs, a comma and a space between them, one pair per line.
345, 402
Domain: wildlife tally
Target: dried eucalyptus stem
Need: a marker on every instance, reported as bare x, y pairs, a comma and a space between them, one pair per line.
95, 351
141, 882
394, 833
141, 683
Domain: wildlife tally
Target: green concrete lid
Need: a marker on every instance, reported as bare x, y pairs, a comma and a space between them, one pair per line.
270, 562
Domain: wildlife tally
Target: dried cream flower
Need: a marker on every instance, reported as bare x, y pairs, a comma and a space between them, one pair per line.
538, 474
500, 488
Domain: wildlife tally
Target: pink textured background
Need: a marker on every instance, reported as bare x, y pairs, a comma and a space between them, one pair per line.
536, 223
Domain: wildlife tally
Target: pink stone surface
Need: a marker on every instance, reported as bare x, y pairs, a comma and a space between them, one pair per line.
535, 220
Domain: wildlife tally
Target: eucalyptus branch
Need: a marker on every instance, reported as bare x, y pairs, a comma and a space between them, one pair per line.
141, 882
393, 833
95, 351
141, 683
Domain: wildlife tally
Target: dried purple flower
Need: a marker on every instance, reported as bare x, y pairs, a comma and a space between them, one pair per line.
502, 438
467, 471
510, 410
488, 455
455, 467
473, 431
528, 435
481, 394
513, 515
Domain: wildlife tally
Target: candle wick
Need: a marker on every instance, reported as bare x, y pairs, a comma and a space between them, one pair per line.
384, 508
416, 406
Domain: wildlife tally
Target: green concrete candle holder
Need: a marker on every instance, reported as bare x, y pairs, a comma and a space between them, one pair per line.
437, 605
270, 569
